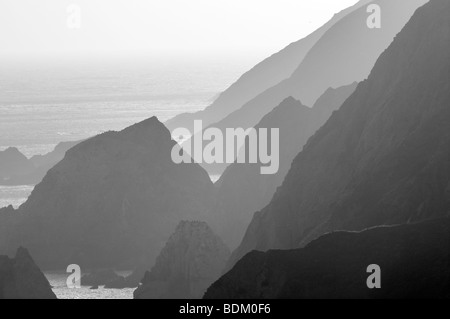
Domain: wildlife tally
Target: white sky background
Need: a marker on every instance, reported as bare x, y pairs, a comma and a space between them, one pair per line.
34, 28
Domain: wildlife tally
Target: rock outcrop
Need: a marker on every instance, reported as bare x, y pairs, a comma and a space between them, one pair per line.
100, 277
20, 278
192, 259
382, 158
16, 169
112, 200
13, 162
413, 260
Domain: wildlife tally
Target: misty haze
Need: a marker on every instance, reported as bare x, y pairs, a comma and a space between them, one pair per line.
224, 150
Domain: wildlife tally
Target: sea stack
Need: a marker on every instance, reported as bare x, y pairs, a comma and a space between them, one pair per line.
112, 200
20, 278
191, 261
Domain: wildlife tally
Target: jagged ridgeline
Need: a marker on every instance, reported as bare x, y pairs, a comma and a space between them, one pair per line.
242, 189
112, 200
344, 54
383, 158
263, 76
16, 169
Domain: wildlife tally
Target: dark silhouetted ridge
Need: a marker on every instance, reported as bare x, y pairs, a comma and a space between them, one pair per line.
242, 189
413, 259
20, 278
382, 158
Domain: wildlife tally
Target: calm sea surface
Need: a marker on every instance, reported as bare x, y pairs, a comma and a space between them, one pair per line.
44, 104
58, 282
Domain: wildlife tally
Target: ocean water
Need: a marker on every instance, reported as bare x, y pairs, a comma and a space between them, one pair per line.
37, 128
58, 281
14, 195
46, 103
42, 104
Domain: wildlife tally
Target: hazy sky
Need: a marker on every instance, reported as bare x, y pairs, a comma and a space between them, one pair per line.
235, 27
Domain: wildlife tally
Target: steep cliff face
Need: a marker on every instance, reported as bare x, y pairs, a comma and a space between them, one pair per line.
348, 51
242, 189
191, 260
113, 198
344, 54
382, 158
263, 76
413, 260
20, 278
